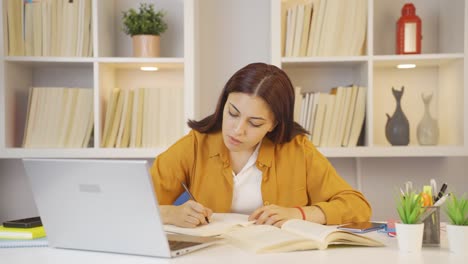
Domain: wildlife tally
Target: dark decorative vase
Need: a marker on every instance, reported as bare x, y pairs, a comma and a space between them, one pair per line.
397, 127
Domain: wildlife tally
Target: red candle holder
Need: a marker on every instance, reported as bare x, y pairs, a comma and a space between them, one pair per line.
408, 34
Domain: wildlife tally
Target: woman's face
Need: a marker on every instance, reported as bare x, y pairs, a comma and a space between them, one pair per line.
246, 120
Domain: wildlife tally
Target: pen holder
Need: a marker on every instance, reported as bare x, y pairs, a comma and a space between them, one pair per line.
431, 233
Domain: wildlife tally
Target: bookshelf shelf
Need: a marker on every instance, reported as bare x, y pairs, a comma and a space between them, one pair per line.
329, 60
417, 151
187, 47
440, 70
110, 66
13, 153
49, 59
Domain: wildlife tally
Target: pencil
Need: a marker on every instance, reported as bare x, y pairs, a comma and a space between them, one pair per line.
193, 198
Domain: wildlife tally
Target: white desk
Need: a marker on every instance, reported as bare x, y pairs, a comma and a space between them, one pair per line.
225, 254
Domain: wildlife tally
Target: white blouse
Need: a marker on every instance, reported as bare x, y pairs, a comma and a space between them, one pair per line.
247, 195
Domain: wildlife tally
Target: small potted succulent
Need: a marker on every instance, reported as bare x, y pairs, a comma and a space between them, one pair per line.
410, 230
456, 209
145, 27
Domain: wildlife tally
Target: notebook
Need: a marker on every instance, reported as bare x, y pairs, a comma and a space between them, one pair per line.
15, 243
103, 205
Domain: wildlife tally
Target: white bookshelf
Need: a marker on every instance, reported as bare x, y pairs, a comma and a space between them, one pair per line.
195, 46
111, 65
441, 68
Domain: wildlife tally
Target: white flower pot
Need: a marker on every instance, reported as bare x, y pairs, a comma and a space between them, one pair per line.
457, 237
409, 236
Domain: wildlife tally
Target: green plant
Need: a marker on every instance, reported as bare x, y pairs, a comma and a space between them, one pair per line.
457, 210
409, 207
144, 22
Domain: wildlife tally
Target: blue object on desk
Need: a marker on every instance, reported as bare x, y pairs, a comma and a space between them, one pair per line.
16, 243
182, 198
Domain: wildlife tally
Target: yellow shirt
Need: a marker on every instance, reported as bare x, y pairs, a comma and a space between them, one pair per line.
294, 174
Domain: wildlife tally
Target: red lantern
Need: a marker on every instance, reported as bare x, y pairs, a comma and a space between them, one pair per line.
408, 36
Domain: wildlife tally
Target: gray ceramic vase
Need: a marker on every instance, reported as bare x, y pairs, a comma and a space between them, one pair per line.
428, 129
397, 127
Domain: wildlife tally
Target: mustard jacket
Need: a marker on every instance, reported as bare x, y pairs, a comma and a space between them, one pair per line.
294, 174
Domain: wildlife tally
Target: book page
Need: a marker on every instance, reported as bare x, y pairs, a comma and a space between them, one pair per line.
327, 235
220, 223
307, 229
267, 238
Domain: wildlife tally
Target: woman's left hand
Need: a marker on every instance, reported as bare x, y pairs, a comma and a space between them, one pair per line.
274, 215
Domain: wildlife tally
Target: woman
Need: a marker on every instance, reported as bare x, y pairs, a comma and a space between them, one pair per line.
250, 157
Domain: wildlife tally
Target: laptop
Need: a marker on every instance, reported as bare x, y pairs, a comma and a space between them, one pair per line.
103, 205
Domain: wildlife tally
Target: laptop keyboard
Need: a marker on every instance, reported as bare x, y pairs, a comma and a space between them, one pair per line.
176, 245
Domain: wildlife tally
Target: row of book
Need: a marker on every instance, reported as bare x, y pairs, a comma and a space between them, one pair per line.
323, 27
48, 28
142, 118
333, 119
59, 117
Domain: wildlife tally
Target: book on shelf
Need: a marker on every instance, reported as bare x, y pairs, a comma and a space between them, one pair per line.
305, 29
349, 115
327, 120
142, 117
14, 14
115, 121
298, 30
22, 233
297, 103
312, 112
323, 28
110, 113
304, 107
295, 235
125, 140
358, 117
343, 117
137, 118
123, 118
58, 117
48, 28
319, 118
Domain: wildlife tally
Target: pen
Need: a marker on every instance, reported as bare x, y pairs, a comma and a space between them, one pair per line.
442, 200
427, 213
434, 190
193, 198
441, 192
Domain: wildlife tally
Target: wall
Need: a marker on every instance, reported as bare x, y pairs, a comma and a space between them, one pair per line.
380, 179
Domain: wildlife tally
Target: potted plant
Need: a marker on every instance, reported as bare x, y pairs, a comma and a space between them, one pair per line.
145, 27
457, 231
409, 231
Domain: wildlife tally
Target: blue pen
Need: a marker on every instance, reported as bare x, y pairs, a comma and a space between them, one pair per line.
193, 198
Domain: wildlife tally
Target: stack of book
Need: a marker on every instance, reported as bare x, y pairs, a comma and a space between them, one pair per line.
323, 27
48, 27
59, 117
22, 236
142, 118
333, 119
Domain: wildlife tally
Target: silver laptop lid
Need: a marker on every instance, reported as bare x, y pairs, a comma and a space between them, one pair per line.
100, 205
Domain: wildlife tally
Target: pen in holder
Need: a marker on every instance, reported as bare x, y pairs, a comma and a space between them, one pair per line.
431, 220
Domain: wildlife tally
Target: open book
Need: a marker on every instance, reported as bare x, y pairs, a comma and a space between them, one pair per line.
220, 223
295, 235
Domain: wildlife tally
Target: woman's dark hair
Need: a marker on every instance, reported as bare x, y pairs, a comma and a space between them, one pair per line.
267, 82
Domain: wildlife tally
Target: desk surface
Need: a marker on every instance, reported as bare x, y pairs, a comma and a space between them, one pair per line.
225, 253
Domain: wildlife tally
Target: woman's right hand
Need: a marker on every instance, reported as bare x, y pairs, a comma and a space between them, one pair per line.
190, 214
